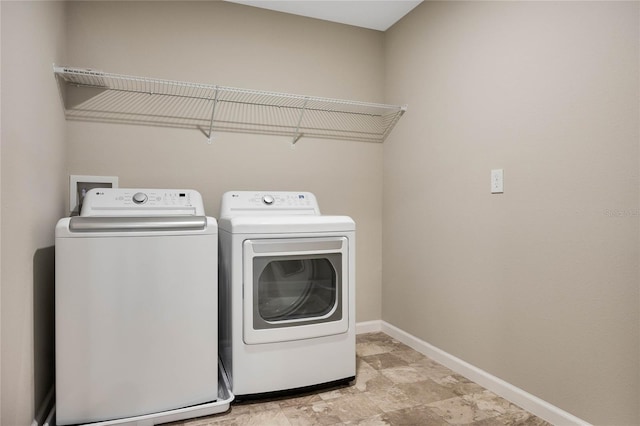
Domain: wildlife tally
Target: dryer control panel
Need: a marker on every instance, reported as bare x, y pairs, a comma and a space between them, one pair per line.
255, 203
142, 202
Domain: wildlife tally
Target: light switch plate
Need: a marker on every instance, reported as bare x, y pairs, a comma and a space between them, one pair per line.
497, 181
79, 184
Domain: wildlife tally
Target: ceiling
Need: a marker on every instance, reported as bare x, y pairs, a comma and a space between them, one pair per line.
373, 14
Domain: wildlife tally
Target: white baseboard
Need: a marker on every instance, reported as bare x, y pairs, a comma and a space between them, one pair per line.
369, 327
529, 402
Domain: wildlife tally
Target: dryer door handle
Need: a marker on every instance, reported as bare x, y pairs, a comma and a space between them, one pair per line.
136, 224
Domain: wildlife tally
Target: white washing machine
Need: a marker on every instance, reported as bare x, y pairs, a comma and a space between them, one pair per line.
136, 309
287, 293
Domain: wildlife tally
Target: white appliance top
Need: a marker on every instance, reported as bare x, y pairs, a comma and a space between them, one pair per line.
277, 212
268, 203
126, 202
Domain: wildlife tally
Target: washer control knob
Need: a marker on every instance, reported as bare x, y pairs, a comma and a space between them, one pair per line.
268, 200
139, 198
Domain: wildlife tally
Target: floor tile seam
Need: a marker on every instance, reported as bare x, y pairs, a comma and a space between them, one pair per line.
433, 413
361, 394
470, 405
295, 420
511, 407
413, 406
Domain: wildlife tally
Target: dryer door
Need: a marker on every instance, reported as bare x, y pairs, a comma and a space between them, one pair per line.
295, 289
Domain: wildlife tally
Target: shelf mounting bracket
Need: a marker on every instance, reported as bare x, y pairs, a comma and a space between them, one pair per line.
213, 111
297, 135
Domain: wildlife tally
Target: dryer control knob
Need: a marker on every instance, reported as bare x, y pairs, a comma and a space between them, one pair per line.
139, 197
268, 200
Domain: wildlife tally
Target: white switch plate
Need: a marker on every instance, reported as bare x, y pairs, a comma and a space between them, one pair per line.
497, 181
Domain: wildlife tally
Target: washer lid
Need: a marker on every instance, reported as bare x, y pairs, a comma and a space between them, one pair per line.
286, 224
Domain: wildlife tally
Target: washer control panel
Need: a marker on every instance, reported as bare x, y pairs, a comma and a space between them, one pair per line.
235, 203
142, 202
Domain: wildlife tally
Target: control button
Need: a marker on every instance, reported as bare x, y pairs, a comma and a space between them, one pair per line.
139, 197
268, 200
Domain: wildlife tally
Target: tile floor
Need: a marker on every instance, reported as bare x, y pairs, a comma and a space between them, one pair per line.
394, 385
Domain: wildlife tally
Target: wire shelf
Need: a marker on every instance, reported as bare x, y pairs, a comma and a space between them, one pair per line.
91, 95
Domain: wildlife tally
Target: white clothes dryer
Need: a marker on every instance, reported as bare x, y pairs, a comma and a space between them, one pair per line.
136, 309
287, 293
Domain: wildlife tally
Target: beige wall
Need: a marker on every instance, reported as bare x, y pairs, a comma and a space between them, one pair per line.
233, 45
539, 285
33, 188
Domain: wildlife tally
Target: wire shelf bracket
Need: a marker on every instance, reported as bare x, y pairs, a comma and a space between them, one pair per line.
91, 95
213, 111
297, 135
